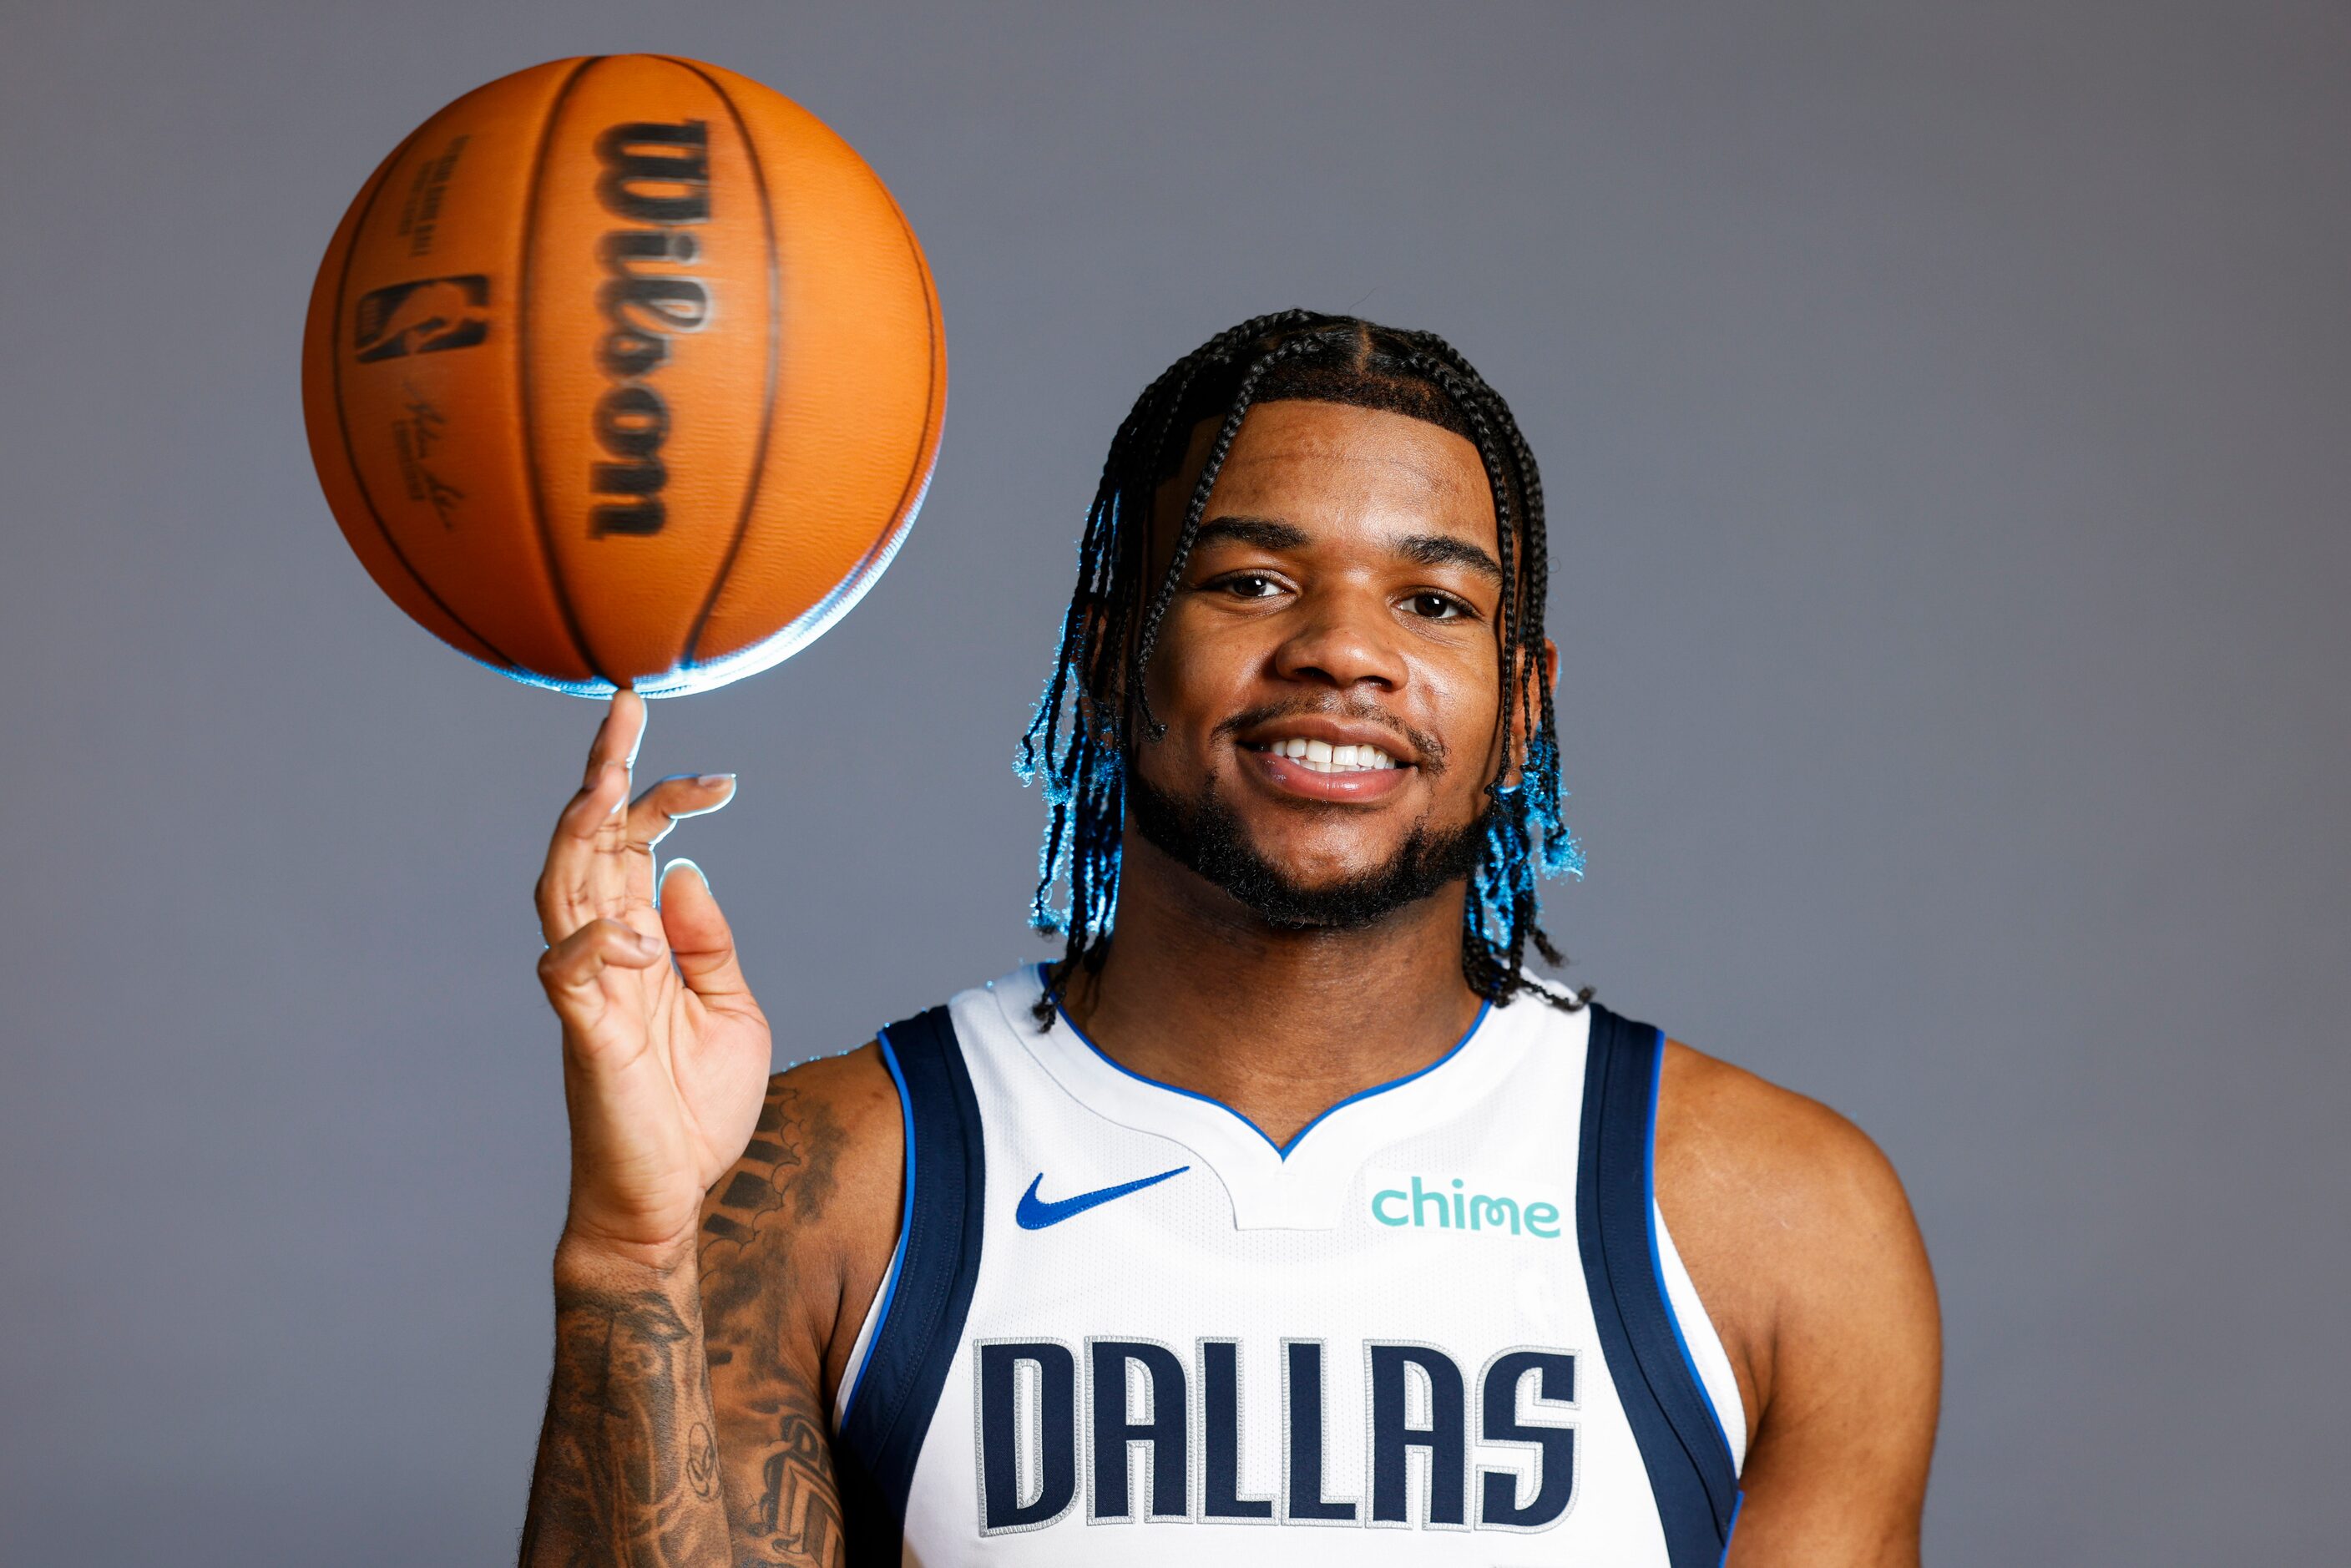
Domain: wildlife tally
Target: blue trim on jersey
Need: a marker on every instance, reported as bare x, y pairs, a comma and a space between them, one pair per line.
1736, 1504
1673, 1421
922, 1323
1281, 1149
905, 1221
1483, 1008
1657, 1256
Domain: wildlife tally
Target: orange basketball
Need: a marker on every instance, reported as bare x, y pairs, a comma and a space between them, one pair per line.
624, 372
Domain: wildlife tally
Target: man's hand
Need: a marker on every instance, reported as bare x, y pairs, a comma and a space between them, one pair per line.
665, 1054
665, 1061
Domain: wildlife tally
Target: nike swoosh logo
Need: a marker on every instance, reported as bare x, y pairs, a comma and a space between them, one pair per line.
1035, 1213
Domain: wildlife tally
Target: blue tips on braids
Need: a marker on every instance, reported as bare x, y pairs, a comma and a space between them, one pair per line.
1084, 784
1561, 853
1525, 839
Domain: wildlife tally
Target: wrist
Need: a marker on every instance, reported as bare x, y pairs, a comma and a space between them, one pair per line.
585, 1259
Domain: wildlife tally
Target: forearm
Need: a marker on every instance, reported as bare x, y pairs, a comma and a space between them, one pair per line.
627, 1468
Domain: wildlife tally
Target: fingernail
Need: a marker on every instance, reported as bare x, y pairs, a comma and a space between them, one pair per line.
713, 780
689, 865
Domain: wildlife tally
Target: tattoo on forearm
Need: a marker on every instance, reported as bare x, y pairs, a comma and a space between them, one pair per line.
640, 1464
702, 1461
773, 1442
616, 1481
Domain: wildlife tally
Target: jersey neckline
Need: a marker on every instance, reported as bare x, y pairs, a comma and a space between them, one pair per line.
1303, 1187
1282, 1151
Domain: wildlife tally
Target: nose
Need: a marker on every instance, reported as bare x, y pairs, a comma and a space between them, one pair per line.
1343, 642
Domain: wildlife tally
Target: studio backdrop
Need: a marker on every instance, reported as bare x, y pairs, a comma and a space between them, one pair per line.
1945, 413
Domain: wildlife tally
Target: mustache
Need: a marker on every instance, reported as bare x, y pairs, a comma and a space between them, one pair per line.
1427, 746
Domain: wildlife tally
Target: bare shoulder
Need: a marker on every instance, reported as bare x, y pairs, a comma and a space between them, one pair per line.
1800, 1238
1732, 1147
1777, 1203
798, 1233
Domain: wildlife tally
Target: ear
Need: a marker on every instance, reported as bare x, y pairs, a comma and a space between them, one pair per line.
1101, 679
1528, 696
1089, 674
1531, 706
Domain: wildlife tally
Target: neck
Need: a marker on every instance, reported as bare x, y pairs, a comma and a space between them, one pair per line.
1197, 991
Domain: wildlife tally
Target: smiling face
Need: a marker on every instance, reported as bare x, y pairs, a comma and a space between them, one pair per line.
1327, 670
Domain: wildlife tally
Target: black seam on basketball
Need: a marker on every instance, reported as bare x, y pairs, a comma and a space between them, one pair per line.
522, 371
342, 419
775, 365
925, 448
879, 551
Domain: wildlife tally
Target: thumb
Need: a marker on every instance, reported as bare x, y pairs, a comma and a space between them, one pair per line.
699, 936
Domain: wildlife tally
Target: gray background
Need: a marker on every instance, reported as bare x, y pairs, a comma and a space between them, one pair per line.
1946, 417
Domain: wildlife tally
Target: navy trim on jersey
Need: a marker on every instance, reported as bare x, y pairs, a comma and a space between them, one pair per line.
929, 1297
1281, 1149
1657, 1263
1674, 1423
906, 1219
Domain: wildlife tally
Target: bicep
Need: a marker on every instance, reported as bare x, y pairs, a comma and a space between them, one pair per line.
787, 1238
776, 1465
1838, 1475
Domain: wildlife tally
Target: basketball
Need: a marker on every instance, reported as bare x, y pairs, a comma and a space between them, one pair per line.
624, 372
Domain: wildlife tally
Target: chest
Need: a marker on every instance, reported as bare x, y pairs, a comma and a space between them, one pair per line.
1395, 1340
1140, 1381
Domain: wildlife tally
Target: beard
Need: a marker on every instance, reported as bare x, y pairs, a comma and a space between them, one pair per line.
1205, 835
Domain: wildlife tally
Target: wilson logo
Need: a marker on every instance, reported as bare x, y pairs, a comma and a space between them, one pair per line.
1452, 1206
655, 175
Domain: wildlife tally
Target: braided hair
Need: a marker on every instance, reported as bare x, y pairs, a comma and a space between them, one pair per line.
1094, 701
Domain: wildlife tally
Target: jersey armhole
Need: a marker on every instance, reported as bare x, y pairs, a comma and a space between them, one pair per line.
1684, 1443
877, 1310
917, 1323
1701, 1343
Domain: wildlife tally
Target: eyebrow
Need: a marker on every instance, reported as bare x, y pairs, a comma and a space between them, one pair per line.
1262, 532
1444, 549
1424, 549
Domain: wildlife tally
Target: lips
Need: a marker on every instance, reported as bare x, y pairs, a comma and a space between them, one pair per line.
1297, 777
1321, 740
1341, 764
1322, 756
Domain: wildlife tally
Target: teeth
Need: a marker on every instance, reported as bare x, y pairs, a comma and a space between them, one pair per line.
1322, 756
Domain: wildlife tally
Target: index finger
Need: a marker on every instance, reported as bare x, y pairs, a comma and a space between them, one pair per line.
620, 735
589, 824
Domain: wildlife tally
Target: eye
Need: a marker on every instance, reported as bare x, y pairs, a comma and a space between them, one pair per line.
1250, 585
1433, 606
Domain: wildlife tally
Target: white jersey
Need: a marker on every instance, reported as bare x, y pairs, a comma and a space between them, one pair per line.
1443, 1325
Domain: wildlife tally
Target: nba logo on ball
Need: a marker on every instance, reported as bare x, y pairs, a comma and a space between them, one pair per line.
624, 372
421, 318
